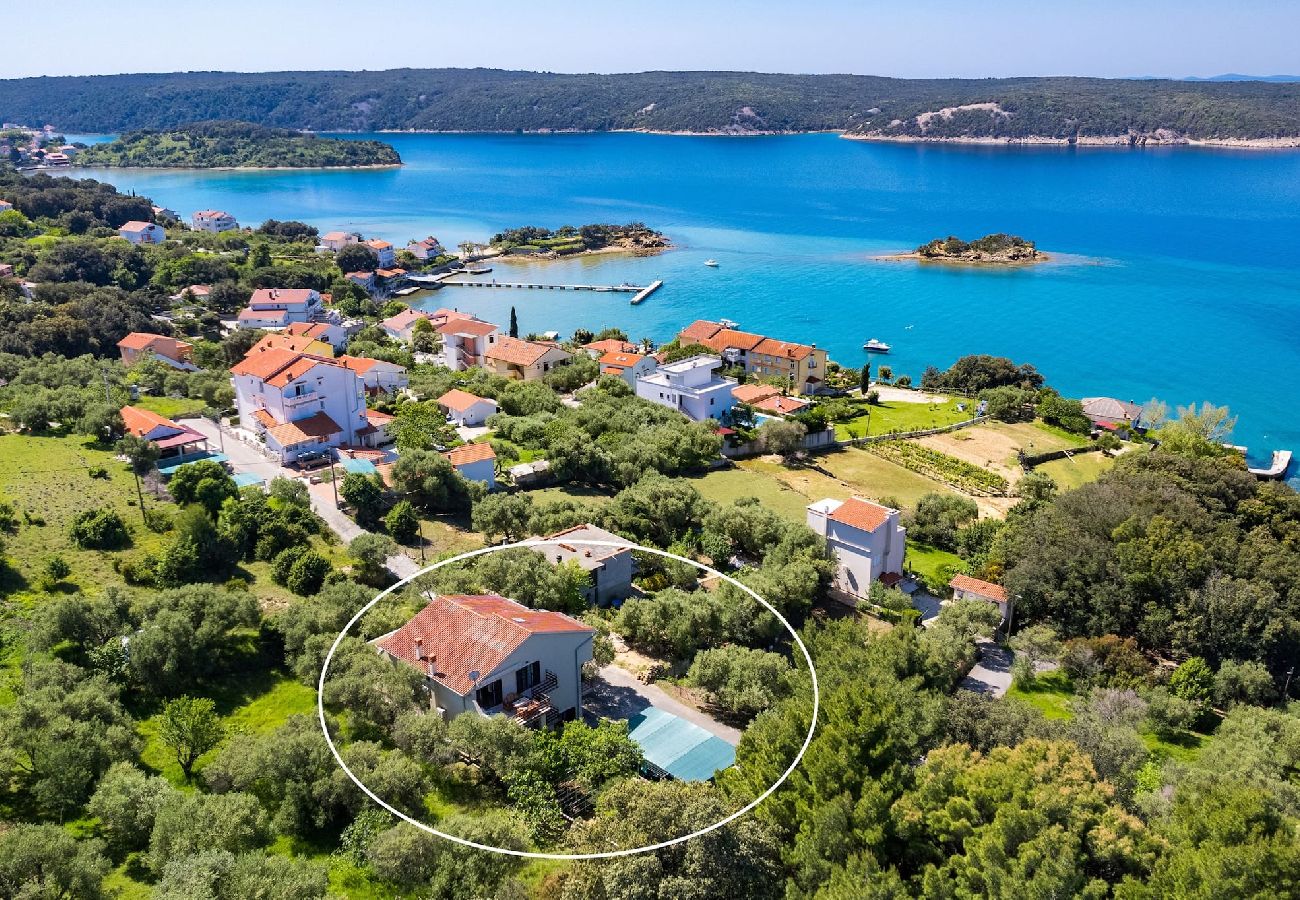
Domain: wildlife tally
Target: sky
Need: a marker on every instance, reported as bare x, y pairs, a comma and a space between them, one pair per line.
904, 38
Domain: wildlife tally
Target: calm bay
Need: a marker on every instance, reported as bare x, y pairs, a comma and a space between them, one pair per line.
1175, 271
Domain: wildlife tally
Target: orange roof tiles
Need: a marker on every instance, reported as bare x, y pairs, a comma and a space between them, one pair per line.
783, 349
457, 324
860, 513
458, 400
781, 406
621, 360
470, 453
698, 332
458, 635
314, 330
729, 339
278, 366
300, 431
136, 227
752, 393
282, 341
518, 352
267, 420
140, 421
611, 346
986, 589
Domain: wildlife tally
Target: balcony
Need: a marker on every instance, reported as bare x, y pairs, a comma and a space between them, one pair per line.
292, 401
534, 707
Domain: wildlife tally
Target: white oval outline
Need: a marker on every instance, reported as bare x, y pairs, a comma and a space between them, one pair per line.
527, 854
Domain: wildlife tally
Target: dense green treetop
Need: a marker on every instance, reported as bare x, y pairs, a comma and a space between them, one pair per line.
209, 145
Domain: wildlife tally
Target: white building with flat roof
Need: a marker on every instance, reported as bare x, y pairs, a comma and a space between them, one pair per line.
691, 386
867, 540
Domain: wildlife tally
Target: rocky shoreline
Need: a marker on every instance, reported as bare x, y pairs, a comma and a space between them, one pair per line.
1154, 139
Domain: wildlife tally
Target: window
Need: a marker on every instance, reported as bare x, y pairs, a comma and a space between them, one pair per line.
489, 697
527, 677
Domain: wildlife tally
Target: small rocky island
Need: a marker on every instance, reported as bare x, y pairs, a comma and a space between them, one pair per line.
992, 248
236, 145
530, 240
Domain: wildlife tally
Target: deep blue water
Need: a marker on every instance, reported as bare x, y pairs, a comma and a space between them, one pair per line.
1177, 272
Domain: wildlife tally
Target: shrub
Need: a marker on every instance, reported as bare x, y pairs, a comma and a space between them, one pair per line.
283, 563
98, 529
307, 573
402, 522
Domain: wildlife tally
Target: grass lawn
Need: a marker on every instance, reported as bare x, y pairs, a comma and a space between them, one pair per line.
170, 407
1078, 470
1184, 745
256, 703
567, 492
49, 479
1051, 693
729, 485
930, 563
895, 417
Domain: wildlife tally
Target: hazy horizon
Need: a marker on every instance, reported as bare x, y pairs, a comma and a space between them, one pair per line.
925, 39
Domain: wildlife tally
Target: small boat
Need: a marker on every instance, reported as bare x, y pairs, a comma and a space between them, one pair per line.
875, 346
479, 270
728, 323
711, 263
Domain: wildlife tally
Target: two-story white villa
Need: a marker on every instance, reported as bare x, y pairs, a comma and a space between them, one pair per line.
142, 233
690, 386
427, 249
466, 341
465, 409
213, 221
299, 403
280, 307
334, 241
383, 250
487, 654
866, 537
628, 366
610, 568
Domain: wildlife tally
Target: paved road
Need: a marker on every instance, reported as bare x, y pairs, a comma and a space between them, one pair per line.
992, 674
245, 458
617, 694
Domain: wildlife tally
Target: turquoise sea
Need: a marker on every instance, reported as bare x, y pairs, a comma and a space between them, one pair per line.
1176, 272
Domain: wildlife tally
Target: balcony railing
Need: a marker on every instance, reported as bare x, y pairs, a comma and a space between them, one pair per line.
299, 399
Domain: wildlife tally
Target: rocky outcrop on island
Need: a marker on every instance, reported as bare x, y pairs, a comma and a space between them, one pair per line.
992, 248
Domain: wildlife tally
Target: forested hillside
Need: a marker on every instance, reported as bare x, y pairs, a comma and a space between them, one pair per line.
207, 145
495, 100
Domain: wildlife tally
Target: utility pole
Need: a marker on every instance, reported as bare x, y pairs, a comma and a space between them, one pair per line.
334, 480
108, 397
1287, 687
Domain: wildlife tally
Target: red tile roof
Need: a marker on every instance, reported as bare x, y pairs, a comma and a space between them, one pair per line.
985, 589
271, 296
457, 324
282, 341
405, 319
144, 340
781, 406
279, 365
728, 339
752, 393
136, 227
458, 400
314, 330
621, 360
315, 427
517, 352
611, 346
470, 453
698, 331
860, 513
141, 421
456, 635
782, 349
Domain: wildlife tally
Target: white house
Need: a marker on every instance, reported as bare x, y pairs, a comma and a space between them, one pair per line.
213, 221
628, 366
299, 402
376, 374
475, 462
966, 588
334, 241
171, 438
690, 386
143, 233
866, 537
465, 409
5, 205
401, 327
610, 568
490, 655
524, 360
466, 341
384, 252
280, 307
427, 249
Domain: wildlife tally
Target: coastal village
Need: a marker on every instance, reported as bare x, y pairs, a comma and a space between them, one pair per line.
298, 421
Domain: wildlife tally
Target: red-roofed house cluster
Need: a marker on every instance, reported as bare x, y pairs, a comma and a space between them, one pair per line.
803, 366
487, 654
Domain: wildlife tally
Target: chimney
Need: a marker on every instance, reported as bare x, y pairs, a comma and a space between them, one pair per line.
419, 649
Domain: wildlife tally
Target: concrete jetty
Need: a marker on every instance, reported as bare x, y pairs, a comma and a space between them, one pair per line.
647, 291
